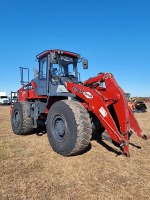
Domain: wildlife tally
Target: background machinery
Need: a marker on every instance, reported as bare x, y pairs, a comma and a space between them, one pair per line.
69, 107
13, 97
4, 100
136, 104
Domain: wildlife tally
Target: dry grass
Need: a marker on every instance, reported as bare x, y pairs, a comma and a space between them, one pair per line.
30, 169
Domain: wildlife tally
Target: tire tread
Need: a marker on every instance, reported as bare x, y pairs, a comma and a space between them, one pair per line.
26, 120
84, 126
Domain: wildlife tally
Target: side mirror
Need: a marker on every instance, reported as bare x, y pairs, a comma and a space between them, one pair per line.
85, 63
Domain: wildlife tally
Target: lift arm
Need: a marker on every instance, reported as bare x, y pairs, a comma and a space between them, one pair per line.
110, 105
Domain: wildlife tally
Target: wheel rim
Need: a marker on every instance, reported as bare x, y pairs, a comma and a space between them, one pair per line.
16, 119
59, 127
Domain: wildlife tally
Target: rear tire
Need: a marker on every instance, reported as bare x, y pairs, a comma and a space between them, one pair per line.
21, 123
69, 127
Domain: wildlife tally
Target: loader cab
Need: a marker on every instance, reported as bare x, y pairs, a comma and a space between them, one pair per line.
65, 69
55, 68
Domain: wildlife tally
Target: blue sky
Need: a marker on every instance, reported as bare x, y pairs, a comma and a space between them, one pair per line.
114, 35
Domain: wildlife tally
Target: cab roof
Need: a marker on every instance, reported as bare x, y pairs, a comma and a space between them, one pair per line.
58, 51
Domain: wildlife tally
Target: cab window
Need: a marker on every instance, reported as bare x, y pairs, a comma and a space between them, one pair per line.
42, 68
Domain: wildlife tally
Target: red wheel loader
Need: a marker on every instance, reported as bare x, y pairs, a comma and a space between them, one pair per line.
69, 107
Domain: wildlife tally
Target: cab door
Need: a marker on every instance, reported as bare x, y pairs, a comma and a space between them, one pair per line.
42, 83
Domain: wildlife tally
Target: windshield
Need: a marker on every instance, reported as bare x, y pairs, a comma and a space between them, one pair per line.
57, 70
66, 65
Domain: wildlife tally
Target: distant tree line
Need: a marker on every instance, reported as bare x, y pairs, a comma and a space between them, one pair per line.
145, 99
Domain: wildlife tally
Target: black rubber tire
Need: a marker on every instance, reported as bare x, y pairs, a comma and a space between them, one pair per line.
21, 123
77, 127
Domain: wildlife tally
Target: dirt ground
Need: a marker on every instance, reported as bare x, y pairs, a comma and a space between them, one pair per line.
30, 169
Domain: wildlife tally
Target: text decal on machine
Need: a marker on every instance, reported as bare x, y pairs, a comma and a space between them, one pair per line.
103, 112
88, 95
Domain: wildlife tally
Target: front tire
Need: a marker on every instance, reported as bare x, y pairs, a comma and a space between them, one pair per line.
69, 127
21, 123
